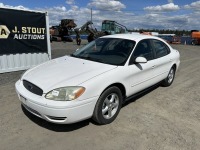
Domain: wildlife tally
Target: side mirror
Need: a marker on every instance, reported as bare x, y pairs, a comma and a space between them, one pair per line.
141, 60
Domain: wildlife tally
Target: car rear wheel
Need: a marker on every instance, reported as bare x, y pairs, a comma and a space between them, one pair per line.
108, 106
170, 78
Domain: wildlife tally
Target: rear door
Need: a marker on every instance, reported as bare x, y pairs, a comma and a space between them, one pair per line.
163, 60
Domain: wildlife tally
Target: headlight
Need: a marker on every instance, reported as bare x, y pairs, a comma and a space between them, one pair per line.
65, 93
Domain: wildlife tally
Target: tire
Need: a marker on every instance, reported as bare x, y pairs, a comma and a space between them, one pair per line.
78, 41
170, 78
193, 42
108, 106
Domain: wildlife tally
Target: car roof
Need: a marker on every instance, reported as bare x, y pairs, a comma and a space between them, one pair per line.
132, 36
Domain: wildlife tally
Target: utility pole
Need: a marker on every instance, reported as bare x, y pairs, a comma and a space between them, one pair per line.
91, 14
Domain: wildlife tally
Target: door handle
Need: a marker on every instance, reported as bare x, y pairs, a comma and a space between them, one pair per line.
153, 66
170, 60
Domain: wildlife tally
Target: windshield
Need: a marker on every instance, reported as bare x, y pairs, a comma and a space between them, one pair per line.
112, 51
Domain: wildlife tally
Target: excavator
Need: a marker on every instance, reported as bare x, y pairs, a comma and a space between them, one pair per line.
92, 32
108, 27
62, 32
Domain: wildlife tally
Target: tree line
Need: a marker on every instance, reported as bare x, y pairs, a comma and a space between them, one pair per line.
162, 31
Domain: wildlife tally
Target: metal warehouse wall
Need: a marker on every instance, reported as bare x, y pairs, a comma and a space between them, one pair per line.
17, 62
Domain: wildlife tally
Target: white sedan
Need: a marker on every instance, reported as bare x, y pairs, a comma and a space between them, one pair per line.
94, 81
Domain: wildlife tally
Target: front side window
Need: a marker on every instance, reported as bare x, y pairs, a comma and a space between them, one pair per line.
112, 51
143, 49
161, 49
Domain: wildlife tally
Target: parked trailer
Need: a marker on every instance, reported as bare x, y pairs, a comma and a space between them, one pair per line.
24, 39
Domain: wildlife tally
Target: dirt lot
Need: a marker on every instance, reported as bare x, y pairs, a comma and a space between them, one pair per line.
163, 119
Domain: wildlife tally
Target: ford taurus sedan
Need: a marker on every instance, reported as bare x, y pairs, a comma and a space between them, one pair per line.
95, 80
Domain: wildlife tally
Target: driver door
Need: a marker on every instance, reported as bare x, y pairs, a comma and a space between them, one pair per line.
141, 74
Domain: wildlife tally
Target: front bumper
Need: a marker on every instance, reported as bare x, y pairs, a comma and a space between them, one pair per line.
61, 112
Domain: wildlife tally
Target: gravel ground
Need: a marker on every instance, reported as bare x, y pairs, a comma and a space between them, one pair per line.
163, 119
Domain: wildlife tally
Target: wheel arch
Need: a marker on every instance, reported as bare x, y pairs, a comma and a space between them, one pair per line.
174, 66
120, 86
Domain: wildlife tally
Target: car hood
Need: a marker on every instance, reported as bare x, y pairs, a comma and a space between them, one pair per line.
64, 71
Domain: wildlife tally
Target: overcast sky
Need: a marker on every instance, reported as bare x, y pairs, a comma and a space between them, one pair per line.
135, 14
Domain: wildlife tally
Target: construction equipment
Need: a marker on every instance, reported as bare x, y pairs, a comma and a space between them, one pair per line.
112, 27
92, 32
62, 32
108, 27
195, 34
86, 27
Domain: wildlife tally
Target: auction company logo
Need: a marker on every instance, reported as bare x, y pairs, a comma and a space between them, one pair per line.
4, 32
28, 33
25, 33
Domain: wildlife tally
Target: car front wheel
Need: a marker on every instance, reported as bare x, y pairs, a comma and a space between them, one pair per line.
108, 106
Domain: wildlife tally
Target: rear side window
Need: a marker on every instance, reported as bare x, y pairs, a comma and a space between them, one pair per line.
161, 49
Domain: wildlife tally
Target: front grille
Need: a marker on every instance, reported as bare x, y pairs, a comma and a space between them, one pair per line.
32, 88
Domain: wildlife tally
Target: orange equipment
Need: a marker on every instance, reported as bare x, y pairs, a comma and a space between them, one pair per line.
195, 37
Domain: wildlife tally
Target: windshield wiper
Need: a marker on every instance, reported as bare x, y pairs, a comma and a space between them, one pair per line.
72, 55
94, 59
87, 58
